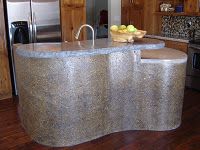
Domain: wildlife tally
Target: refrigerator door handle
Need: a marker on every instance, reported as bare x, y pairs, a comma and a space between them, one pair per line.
12, 59
30, 26
34, 27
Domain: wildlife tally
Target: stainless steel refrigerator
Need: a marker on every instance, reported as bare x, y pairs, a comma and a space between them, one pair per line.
31, 21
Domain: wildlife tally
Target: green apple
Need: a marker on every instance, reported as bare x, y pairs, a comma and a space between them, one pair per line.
131, 28
114, 28
122, 27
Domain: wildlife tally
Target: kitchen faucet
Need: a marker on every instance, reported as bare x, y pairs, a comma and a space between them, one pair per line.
86, 25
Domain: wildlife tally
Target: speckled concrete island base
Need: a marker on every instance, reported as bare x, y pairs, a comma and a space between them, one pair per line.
68, 101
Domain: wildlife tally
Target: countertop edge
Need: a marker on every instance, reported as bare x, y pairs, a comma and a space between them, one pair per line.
167, 38
87, 52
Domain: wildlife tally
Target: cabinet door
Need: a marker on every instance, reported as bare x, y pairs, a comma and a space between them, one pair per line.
133, 13
138, 4
5, 82
74, 3
136, 18
125, 4
71, 19
5, 85
137, 13
191, 6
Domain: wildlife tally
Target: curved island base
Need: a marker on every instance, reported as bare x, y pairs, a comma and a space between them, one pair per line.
68, 100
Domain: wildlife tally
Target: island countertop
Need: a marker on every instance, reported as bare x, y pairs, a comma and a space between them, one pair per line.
84, 48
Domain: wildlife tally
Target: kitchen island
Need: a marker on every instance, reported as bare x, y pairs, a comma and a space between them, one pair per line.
74, 92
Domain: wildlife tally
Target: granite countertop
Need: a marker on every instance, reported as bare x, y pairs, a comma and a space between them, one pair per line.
169, 37
84, 48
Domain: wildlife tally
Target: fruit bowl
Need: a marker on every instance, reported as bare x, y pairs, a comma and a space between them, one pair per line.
127, 36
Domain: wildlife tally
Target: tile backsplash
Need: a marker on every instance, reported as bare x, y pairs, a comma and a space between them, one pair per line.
179, 25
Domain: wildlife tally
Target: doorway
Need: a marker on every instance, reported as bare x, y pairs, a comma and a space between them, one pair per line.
97, 16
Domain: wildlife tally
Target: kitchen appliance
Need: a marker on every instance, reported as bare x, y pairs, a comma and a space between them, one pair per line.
40, 19
193, 64
20, 32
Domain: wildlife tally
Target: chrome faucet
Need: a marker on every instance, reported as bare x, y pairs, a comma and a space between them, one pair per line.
86, 25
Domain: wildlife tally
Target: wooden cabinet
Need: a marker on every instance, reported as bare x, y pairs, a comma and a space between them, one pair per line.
140, 13
5, 83
73, 15
191, 6
74, 3
177, 45
172, 2
181, 46
132, 12
125, 13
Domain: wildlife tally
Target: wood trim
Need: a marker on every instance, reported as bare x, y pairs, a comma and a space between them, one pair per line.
177, 14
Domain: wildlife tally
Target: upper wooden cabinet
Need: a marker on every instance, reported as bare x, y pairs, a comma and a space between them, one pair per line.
73, 15
191, 6
5, 82
125, 12
132, 12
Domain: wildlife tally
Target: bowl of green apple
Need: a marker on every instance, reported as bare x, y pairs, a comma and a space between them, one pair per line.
124, 33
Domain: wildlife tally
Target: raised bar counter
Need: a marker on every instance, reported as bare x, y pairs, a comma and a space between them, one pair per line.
70, 93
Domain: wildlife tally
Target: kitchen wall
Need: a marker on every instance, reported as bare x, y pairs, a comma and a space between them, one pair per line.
180, 25
114, 13
90, 11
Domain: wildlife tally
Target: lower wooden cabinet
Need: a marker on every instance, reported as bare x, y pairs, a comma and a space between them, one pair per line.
177, 45
5, 83
181, 46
